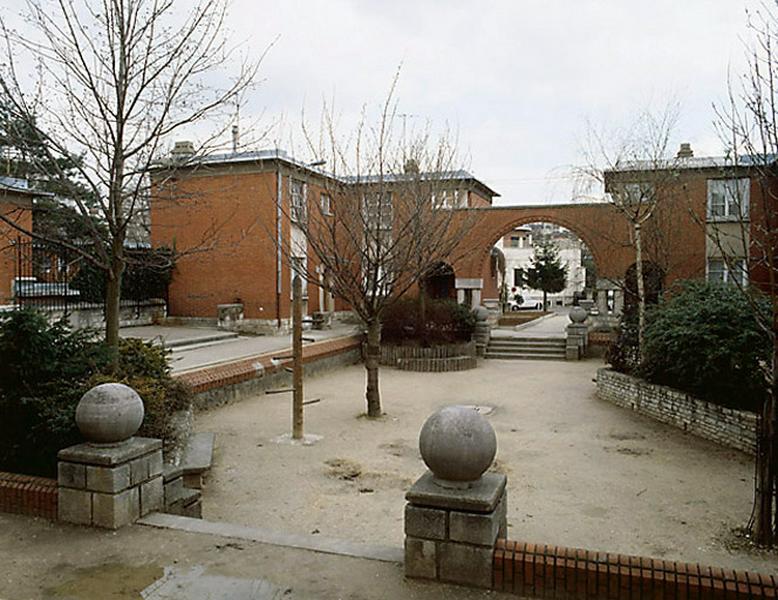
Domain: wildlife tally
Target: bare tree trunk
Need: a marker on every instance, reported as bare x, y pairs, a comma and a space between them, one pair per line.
372, 393
113, 297
297, 352
545, 301
641, 288
422, 317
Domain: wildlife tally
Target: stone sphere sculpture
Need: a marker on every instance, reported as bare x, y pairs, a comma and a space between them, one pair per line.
578, 314
458, 445
109, 413
481, 313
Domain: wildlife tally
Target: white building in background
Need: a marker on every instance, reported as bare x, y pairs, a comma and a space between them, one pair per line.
518, 247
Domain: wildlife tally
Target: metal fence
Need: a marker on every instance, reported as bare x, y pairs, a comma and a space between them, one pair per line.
57, 278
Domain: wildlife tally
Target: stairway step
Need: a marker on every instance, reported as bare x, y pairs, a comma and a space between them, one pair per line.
526, 355
560, 344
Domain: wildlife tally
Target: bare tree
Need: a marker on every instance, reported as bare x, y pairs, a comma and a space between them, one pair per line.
118, 78
386, 223
742, 226
633, 168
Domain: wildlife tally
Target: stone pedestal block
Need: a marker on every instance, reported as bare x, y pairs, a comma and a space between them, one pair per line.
110, 486
450, 533
577, 340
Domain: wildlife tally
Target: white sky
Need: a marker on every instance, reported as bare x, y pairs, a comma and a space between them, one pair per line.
517, 79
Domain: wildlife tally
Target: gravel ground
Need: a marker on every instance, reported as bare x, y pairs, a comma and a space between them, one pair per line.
581, 472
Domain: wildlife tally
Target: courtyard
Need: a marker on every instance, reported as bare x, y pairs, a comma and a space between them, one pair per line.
581, 472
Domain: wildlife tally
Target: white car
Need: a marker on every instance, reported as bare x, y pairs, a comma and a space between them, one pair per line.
527, 303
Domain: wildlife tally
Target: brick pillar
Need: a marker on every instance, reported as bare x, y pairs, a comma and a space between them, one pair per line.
110, 485
450, 533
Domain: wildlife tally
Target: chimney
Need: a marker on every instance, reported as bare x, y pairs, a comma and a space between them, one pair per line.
235, 139
183, 150
411, 166
685, 151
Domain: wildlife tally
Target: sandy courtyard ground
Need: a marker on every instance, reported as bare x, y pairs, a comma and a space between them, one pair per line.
581, 472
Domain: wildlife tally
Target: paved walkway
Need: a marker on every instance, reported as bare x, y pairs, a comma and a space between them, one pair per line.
55, 561
545, 327
197, 352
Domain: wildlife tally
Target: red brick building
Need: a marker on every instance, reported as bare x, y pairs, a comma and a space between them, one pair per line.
16, 203
236, 240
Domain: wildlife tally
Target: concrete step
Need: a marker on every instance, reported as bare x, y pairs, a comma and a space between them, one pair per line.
525, 355
523, 344
197, 458
522, 338
216, 336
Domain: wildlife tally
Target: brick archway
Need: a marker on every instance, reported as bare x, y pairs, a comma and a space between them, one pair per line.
600, 226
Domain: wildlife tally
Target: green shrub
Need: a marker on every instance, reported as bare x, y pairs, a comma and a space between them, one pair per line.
623, 354
704, 339
447, 322
45, 369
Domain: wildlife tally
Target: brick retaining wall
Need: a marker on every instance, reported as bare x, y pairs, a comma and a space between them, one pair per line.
230, 382
539, 571
391, 353
726, 426
438, 365
28, 495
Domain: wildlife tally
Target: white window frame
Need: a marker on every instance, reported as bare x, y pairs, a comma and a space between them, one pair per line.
378, 210
298, 205
734, 199
448, 199
298, 266
636, 192
325, 202
723, 266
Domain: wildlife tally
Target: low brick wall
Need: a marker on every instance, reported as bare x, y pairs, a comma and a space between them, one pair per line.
437, 365
229, 382
728, 427
391, 353
539, 571
28, 495
602, 338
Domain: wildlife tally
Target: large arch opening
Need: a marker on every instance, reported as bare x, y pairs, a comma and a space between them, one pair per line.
522, 244
440, 283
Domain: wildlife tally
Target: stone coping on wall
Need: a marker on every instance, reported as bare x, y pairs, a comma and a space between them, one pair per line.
726, 426
261, 365
541, 571
28, 495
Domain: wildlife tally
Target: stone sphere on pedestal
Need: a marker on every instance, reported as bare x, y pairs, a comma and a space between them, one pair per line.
578, 314
481, 313
458, 445
109, 413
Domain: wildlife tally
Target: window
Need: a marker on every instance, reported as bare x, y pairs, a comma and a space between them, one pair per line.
728, 199
515, 239
732, 271
377, 209
326, 204
298, 194
298, 268
637, 192
450, 199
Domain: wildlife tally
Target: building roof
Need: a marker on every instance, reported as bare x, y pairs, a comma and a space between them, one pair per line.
283, 156
744, 161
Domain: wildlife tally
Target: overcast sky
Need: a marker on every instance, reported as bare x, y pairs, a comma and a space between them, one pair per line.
518, 79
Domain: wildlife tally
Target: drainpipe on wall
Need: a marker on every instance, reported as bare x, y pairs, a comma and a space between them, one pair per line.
279, 189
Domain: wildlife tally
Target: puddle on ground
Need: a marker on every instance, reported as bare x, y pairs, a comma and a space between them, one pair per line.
107, 582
